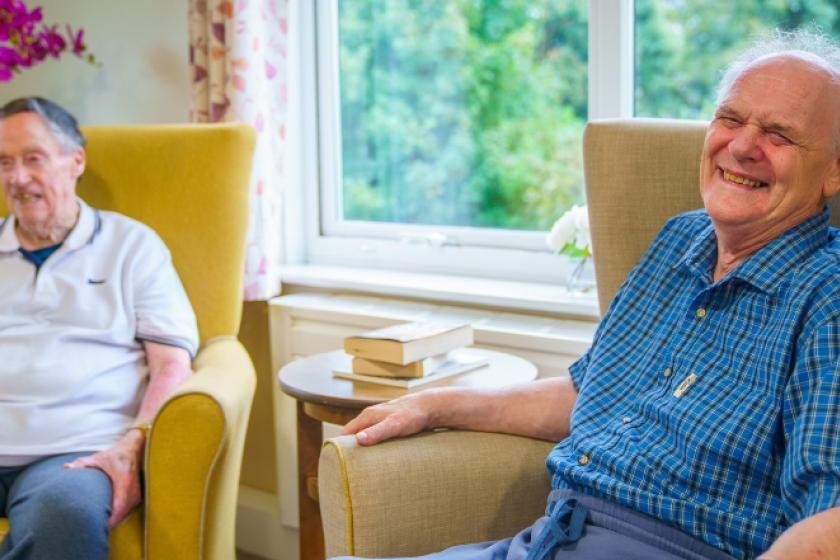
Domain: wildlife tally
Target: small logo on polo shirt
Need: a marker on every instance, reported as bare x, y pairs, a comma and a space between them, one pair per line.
92, 281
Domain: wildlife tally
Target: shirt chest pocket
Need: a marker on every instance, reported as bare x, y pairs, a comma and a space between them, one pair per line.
84, 301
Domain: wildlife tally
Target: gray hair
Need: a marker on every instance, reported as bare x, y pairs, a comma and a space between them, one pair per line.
60, 121
811, 45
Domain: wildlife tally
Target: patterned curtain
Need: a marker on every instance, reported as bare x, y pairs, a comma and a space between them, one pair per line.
238, 58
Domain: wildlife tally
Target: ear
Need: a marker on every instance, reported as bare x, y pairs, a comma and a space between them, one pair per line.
79, 162
831, 185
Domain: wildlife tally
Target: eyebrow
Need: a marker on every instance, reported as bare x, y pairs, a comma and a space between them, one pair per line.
27, 151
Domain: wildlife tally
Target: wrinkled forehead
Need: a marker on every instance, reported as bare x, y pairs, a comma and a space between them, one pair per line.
29, 128
801, 88
788, 71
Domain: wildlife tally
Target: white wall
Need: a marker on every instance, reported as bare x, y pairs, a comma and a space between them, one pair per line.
143, 48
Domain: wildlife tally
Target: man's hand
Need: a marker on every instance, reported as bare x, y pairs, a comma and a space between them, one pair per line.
403, 416
538, 409
814, 538
122, 464
168, 367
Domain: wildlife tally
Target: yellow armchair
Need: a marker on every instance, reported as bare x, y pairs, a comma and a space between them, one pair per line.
190, 184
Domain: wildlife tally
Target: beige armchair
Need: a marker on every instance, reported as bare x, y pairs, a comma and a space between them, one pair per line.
189, 183
416, 495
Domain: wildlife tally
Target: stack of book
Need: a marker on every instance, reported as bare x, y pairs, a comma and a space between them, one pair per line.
411, 354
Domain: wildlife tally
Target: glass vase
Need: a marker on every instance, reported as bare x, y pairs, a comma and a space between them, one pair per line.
575, 280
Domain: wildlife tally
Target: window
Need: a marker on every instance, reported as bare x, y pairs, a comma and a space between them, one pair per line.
448, 133
461, 113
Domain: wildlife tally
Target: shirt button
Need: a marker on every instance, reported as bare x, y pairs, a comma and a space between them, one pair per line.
668, 371
583, 460
700, 313
626, 420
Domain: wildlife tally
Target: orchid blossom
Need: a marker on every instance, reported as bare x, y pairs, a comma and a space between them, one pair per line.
26, 41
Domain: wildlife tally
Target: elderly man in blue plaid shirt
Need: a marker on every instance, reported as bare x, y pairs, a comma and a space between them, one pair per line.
704, 421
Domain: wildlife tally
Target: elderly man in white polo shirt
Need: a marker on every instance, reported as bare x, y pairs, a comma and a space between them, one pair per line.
95, 331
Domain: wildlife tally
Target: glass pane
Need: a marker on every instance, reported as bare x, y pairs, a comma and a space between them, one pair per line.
462, 112
683, 45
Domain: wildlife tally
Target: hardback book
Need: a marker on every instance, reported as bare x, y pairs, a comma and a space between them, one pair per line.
409, 342
385, 369
457, 363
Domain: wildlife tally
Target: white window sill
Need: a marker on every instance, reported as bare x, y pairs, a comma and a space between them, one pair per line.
516, 296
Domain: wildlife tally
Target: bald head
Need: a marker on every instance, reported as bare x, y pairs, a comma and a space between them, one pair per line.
807, 50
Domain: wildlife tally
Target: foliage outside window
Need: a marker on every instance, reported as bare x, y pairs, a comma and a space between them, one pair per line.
464, 112
682, 45
471, 112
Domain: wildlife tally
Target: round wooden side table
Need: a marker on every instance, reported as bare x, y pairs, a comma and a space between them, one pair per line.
321, 397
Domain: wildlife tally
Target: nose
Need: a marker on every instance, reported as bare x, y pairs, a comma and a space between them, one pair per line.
16, 174
745, 145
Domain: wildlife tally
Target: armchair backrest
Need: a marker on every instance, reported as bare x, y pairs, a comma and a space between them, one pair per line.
639, 173
190, 184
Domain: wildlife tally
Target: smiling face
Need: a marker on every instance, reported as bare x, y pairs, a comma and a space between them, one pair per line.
39, 177
769, 158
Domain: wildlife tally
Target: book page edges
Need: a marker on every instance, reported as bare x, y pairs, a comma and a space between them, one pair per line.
410, 383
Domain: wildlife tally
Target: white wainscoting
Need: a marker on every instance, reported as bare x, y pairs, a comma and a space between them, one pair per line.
304, 324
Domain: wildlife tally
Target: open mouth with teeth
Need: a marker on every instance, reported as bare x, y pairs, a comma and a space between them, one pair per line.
738, 179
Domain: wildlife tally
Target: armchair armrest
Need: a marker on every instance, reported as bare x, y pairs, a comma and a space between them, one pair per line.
416, 495
194, 455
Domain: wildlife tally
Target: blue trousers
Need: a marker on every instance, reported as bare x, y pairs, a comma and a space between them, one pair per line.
581, 527
54, 512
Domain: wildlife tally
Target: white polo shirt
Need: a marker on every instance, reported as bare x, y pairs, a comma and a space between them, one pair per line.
72, 367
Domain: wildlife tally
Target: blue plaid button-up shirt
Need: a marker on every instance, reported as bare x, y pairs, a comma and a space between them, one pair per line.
715, 406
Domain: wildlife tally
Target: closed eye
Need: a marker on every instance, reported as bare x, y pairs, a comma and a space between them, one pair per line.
727, 121
779, 139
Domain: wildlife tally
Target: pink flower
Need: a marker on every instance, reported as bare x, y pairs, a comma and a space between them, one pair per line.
78, 41
25, 41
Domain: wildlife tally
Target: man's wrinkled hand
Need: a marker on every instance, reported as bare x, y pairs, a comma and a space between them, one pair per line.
122, 464
400, 417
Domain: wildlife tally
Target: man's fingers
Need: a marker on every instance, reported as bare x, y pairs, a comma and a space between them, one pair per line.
126, 495
352, 426
400, 417
365, 419
379, 432
118, 506
370, 436
113, 521
119, 509
371, 426
82, 462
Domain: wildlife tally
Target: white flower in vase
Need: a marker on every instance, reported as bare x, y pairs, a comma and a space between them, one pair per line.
570, 236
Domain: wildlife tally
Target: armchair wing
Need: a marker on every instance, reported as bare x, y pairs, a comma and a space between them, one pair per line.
194, 457
420, 494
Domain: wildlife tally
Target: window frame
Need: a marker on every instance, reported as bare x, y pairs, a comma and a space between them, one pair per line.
483, 252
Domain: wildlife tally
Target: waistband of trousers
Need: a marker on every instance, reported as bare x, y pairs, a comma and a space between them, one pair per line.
642, 527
